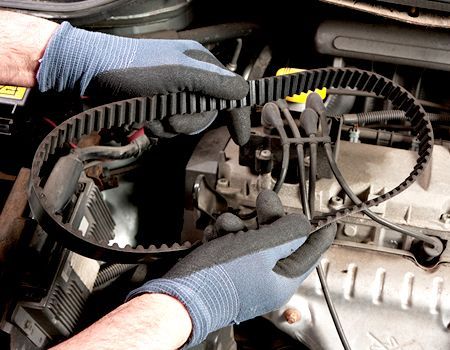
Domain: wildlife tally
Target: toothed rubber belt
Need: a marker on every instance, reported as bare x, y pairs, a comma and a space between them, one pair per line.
146, 109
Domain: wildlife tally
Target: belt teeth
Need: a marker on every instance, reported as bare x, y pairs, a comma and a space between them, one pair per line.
141, 109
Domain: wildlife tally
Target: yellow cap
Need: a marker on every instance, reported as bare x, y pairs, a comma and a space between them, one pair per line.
302, 97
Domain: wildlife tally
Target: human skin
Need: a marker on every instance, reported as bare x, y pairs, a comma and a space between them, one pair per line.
23, 41
148, 321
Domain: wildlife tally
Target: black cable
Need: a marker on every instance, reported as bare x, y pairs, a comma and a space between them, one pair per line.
341, 180
307, 209
315, 103
331, 308
301, 161
308, 122
302, 180
312, 176
270, 116
337, 144
278, 125
376, 218
133, 149
284, 164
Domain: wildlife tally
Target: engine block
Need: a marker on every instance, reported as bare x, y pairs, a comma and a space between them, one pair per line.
386, 295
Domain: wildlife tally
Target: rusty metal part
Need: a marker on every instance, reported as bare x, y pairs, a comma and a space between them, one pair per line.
292, 315
11, 221
7, 177
95, 172
93, 139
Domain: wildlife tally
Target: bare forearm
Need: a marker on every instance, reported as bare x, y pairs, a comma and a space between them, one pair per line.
23, 40
149, 321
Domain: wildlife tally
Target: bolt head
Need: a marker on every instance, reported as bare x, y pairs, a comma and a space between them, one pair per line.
350, 230
336, 202
266, 153
336, 199
222, 182
292, 315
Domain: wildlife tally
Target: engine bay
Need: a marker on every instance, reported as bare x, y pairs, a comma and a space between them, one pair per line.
349, 125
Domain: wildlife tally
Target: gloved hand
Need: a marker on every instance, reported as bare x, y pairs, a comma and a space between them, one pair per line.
236, 277
123, 67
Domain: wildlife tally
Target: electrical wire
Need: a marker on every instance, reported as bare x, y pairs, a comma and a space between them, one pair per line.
92, 164
131, 150
301, 162
302, 180
320, 110
312, 176
54, 125
284, 166
308, 209
331, 308
341, 180
436, 245
272, 117
337, 145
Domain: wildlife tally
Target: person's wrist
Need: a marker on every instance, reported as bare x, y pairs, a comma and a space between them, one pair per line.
149, 321
174, 312
209, 296
24, 40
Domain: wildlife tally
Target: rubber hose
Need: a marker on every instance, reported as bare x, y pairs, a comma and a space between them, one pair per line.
339, 104
111, 273
381, 116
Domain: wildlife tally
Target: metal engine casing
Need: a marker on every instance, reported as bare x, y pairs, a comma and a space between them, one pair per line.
385, 298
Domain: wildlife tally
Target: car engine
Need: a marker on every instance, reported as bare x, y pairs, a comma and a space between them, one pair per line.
350, 122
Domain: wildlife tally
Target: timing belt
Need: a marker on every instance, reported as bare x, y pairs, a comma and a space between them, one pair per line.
146, 109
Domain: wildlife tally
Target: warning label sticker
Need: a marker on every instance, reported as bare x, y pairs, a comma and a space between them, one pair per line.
12, 92
13, 95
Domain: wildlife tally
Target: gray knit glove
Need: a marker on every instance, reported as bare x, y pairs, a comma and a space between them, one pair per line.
120, 68
246, 274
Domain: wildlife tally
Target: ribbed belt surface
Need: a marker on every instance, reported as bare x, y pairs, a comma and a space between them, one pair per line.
145, 109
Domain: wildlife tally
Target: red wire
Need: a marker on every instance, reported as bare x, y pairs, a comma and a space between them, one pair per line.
136, 134
50, 122
54, 125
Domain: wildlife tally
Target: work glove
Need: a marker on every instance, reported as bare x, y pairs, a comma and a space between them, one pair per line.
242, 275
119, 68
